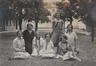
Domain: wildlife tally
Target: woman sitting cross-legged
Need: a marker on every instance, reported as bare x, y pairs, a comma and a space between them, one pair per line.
19, 47
47, 48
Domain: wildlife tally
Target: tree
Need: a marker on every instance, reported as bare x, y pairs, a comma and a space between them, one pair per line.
82, 9
34, 10
41, 13
65, 10
87, 10
4, 12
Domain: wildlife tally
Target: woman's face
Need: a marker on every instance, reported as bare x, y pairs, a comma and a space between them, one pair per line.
47, 37
30, 27
19, 34
69, 28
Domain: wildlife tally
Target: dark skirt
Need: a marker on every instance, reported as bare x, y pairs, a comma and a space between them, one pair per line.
28, 47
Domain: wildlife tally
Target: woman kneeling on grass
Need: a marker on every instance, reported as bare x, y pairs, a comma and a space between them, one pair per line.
19, 47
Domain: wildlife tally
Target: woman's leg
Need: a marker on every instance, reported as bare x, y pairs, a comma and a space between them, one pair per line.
76, 58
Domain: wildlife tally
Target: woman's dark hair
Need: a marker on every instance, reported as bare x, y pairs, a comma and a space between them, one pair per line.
47, 34
29, 20
71, 27
18, 32
65, 37
29, 24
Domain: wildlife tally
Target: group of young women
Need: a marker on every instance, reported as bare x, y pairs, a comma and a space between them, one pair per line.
43, 46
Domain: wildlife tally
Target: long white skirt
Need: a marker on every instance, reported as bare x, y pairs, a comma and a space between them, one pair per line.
69, 55
47, 53
21, 55
35, 52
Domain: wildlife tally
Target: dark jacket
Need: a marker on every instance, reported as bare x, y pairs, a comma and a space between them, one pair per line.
28, 38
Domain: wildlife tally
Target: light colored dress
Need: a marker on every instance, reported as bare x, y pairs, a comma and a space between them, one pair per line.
47, 49
36, 46
71, 39
19, 48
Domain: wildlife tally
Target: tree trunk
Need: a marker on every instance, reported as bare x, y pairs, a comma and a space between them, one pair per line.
20, 24
16, 24
36, 25
71, 20
3, 25
92, 32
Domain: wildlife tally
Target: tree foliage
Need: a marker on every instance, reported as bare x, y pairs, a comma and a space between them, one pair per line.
32, 9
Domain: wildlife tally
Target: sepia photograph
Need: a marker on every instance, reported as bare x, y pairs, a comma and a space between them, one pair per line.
47, 32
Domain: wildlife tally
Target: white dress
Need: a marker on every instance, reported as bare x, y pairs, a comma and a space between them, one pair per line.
19, 48
47, 50
71, 39
36, 46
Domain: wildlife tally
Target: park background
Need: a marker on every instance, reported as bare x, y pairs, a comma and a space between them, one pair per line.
10, 10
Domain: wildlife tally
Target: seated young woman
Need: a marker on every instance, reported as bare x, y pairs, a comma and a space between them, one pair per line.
47, 48
62, 46
19, 47
70, 55
37, 42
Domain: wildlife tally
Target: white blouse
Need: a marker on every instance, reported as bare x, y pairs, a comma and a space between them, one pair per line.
19, 44
71, 38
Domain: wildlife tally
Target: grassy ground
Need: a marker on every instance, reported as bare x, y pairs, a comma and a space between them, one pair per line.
87, 54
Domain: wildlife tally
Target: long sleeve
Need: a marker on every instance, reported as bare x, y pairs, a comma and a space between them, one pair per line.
34, 41
23, 46
33, 34
23, 34
60, 44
